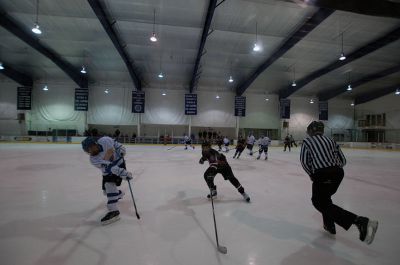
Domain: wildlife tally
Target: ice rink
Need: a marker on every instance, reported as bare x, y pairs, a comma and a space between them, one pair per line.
51, 203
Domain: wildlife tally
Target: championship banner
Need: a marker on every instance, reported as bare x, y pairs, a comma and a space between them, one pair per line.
240, 106
138, 102
81, 99
285, 108
24, 98
190, 104
323, 110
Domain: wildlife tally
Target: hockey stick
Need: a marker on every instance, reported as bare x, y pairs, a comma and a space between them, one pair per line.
133, 199
171, 147
221, 249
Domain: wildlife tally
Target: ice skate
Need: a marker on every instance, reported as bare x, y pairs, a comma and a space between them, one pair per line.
246, 197
367, 229
213, 193
110, 217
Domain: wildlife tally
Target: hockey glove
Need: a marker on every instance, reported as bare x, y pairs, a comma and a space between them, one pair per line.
201, 161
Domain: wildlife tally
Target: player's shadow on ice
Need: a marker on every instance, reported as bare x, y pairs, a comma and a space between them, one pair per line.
286, 230
318, 252
68, 231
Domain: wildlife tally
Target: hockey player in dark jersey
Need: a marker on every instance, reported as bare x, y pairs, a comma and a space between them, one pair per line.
239, 147
218, 164
220, 141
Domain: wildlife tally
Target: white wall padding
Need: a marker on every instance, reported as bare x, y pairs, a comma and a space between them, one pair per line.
114, 108
55, 109
168, 109
212, 112
260, 113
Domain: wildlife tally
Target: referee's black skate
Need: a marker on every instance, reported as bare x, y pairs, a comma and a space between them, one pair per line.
246, 197
367, 229
110, 217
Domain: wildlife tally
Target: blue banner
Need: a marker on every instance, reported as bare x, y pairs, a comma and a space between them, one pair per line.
285, 108
240, 106
190, 104
323, 110
24, 98
138, 102
81, 99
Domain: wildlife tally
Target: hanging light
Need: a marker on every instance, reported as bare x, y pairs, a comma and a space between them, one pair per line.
153, 37
266, 99
1, 66
45, 88
349, 88
294, 77
83, 70
397, 92
36, 27
342, 56
311, 101
230, 79
217, 97
256, 47
164, 94
161, 75
106, 91
352, 104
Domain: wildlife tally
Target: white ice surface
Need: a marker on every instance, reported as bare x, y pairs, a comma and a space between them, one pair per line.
51, 203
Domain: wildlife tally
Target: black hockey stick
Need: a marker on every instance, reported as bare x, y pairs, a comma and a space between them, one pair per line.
133, 199
221, 249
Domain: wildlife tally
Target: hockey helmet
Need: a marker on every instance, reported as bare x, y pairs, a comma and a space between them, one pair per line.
89, 141
315, 128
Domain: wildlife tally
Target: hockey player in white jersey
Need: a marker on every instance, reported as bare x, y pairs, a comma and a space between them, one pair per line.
188, 141
250, 143
263, 144
108, 155
226, 144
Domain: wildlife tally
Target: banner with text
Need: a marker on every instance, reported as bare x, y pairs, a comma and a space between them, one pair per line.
240, 106
138, 102
285, 108
190, 104
24, 98
81, 99
323, 110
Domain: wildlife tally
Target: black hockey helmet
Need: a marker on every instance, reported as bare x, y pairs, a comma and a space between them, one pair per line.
205, 144
315, 128
89, 141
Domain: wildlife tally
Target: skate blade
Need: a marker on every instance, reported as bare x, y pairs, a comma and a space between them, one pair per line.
222, 249
373, 225
112, 220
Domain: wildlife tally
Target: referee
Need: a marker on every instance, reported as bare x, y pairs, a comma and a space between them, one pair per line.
323, 161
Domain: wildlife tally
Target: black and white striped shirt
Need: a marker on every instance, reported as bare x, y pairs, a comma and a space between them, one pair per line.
319, 152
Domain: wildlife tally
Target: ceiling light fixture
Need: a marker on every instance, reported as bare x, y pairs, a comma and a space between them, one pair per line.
164, 94
153, 37
1, 66
294, 77
352, 104
256, 47
45, 88
311, 101
106, 91
230, 79
397, 92
161, 75
217, 97
342, 57
83, 70
349, 88
36, 27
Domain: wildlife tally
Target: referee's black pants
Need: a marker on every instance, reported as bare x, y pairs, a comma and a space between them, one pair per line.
326, 182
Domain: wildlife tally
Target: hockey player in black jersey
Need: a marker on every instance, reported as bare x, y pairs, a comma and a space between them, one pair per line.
218, 164
240, 147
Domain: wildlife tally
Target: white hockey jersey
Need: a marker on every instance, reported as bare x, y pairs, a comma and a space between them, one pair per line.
98, 161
